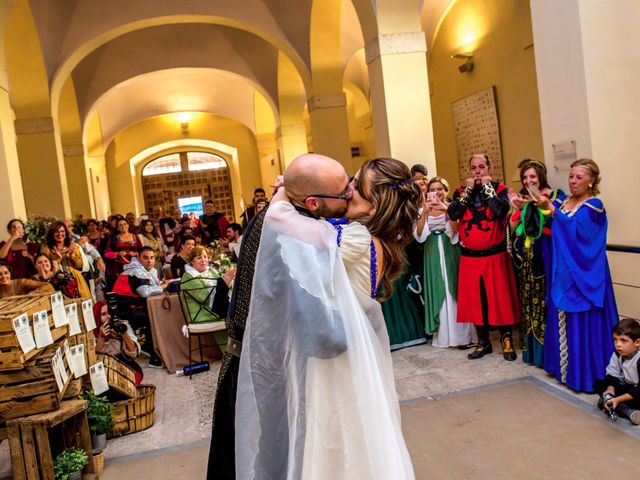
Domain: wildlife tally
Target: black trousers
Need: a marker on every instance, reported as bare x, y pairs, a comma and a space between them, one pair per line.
138, 318
484, 329
599, 386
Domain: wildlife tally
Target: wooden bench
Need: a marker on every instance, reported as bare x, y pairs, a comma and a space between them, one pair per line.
29, 440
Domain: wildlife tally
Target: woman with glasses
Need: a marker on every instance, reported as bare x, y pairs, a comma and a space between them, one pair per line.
61, 250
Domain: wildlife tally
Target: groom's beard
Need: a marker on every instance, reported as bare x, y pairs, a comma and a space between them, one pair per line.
327, 212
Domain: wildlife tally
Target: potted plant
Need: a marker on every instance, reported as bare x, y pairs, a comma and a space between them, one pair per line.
69, 464
99, 412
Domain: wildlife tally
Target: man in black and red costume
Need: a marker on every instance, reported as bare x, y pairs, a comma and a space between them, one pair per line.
486, 283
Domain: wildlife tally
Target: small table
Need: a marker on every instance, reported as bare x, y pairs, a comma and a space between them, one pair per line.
168, 340
29, 439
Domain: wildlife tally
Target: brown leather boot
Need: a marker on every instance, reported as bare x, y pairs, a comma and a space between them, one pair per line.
508, 351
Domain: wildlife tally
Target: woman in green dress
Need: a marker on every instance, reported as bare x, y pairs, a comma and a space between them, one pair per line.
441, 257
404, 310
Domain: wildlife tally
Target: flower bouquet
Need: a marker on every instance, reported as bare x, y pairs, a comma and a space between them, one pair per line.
37, 226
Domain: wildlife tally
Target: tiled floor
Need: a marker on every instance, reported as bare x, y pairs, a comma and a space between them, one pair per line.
183, 406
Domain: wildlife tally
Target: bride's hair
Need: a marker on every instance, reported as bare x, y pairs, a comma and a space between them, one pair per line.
395, 198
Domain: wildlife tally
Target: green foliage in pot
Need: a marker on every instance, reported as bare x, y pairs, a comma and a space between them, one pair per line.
69, 461
99, 411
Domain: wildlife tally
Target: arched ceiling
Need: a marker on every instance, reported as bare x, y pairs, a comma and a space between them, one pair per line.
130, 60
175, 90
172, 46
74, 28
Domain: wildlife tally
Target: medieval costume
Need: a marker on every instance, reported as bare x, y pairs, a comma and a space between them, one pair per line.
221, 464
440, 285
531, 252
403, 311
582, 307
114, 263
486, 282
316, 397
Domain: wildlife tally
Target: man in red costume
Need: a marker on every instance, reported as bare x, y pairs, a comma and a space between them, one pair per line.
486, 282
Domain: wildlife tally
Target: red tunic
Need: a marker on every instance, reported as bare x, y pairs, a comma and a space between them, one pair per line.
485, 259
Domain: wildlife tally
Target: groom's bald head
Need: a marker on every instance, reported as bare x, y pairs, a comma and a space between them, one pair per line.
316, 174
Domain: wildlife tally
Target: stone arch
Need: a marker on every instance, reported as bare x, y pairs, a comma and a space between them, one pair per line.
229, 153
82, 51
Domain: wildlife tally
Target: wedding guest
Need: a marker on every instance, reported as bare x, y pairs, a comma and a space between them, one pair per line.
16, 253
149, 237
441, 260
531, 252
52, 273
121, 248
582, 307
65, 253
10, 287
487, 294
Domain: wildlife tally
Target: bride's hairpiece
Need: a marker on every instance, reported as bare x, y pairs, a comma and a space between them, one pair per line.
400, 183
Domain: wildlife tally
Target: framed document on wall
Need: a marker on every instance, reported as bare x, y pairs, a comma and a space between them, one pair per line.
477, 130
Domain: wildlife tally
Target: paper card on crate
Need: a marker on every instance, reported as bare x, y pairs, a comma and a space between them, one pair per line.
79, 364
56, 372
87, 313
98, 378
67, 354
74, 322
57, 309
41, 329
61, 370
24, 333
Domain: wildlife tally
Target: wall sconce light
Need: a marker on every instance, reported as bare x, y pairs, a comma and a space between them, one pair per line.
183, 119
467, 66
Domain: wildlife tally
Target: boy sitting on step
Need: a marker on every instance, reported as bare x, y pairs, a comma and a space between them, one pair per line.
619, 391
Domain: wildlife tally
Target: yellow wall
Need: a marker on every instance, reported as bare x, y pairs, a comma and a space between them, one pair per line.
499, 34
158, 130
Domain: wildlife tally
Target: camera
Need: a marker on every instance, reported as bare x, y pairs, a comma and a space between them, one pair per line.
608, 411
117, 325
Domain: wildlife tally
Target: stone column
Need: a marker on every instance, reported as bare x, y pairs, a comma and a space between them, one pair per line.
330, 127
80, 196
400, 98
292, 141
42, 168
12, 205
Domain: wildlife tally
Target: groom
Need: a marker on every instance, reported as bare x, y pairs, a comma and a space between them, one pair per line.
318, 186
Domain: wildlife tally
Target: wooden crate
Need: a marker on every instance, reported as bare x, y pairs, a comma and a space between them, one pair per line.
33, 389
74, 389
135, 414
11, 355
119, 376
33, 448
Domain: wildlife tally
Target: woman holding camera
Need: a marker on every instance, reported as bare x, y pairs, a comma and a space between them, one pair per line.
441, 259
51, 272
531, 252
116, 338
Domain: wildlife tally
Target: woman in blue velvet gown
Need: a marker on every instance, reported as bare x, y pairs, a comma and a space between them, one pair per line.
582, 309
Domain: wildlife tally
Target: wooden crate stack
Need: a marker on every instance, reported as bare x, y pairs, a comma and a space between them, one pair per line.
27, 380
